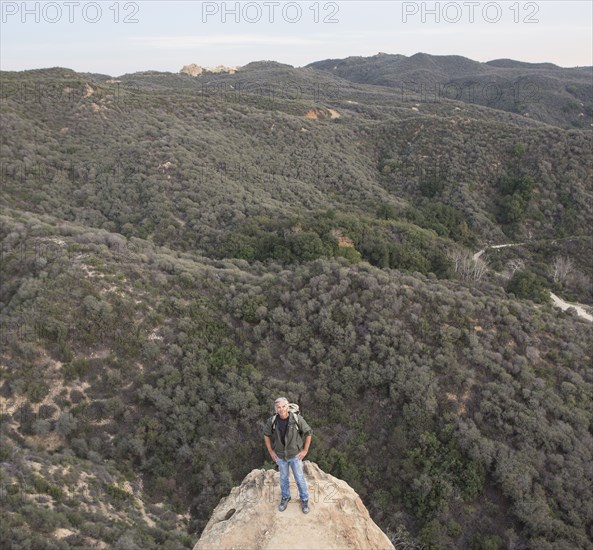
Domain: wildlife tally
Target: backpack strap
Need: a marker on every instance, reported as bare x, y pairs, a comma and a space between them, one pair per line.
274, 422
296, 421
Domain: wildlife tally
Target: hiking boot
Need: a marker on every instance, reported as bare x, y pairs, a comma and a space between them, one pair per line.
283, 504
305, 506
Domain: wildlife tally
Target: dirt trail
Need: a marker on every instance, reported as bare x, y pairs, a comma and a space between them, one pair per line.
480, 252
559, 302
556, 300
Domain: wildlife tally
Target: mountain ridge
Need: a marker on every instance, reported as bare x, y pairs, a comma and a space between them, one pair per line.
571, 92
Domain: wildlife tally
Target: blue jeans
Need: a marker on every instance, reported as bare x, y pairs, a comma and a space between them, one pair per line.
297, 470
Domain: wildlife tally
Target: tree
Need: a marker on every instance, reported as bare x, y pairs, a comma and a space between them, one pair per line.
561, 268
466, 266
512, 208
525, 284
514, 265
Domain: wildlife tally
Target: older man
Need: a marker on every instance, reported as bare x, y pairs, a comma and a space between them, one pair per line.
287, 437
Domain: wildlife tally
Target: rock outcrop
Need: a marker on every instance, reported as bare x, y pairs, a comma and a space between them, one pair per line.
249, 518
197, 70
321, 113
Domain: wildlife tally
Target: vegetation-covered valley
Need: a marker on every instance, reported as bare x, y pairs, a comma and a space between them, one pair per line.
177, 251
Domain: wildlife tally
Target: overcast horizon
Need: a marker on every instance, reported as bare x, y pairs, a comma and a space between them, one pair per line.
115, 38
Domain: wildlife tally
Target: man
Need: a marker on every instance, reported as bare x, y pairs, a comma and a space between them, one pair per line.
283, 436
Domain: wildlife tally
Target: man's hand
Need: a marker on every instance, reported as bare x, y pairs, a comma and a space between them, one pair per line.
305, 450
269, 447
302, 454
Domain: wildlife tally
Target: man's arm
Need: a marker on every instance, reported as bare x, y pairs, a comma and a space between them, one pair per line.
305, 428
268, 443
305, 450
307, 433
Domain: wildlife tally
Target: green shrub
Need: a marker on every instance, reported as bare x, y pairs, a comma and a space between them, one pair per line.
526, 284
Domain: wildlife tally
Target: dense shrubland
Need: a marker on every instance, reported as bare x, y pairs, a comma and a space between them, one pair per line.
442, 404
172, 261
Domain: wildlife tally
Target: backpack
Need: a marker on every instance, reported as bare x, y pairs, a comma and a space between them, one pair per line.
293, 410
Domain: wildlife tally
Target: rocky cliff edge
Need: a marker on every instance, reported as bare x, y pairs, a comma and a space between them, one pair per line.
249, 518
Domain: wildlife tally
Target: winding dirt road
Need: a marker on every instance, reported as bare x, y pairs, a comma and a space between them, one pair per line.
559, 302
556, 300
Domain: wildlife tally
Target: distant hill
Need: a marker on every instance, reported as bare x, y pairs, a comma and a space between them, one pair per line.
542, 91
512, 64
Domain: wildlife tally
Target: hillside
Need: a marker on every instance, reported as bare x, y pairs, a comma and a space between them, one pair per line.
176, 251
228, 175
541, 91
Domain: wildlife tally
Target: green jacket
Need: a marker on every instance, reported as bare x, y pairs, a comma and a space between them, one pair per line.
294, 437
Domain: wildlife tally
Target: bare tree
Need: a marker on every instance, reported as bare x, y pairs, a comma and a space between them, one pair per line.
512, 266
561, 268
468, 267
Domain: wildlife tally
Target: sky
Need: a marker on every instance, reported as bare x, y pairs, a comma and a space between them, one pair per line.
117, 37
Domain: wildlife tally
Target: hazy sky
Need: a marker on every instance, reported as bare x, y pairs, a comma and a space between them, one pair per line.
116, 37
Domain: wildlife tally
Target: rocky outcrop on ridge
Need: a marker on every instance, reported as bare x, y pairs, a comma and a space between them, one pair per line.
197, 70
249, 518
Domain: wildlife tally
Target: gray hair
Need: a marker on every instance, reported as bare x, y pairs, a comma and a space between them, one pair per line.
281, 399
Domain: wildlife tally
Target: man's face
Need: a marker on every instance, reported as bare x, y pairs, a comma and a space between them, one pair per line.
282, 409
